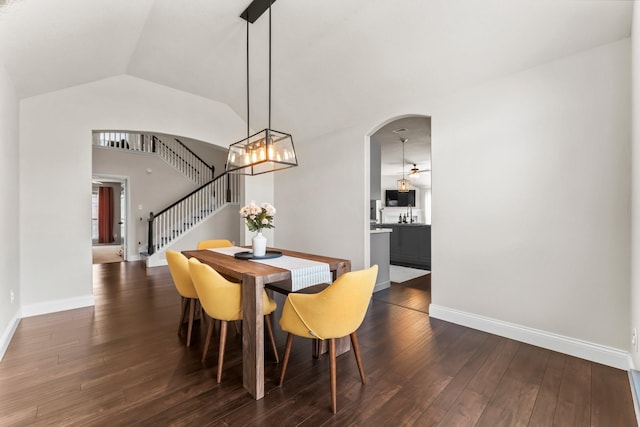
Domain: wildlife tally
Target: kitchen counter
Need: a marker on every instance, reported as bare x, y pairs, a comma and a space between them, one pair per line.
380, 230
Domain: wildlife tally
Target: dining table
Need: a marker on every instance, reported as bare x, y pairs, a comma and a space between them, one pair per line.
254, 276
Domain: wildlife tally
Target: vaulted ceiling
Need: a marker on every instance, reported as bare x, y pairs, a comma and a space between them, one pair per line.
334, 61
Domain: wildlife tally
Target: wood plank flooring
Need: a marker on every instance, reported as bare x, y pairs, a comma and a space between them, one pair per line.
122, 363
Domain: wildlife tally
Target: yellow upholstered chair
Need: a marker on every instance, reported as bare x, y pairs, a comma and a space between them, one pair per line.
222, 300
179, 268
335, 312
208, 244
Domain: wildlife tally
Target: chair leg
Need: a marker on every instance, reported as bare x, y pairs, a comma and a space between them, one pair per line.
185, 306
223, 340
192, 313
205, 350
285, 359
332, 369
356, 352
267, 322
317, 344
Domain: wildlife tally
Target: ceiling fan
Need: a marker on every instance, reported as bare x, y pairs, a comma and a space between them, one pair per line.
414, 172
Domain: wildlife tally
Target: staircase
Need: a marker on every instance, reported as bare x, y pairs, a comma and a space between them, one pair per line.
171, 150
172, 222
213, 194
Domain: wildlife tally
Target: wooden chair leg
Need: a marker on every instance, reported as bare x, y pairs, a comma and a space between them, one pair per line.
192, 313
185, 307
206, 343
285, 359
332, 369
356, 352
317, 347
223, 339
267, 322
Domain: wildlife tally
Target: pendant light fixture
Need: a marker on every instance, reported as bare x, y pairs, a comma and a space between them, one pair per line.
403, 184
268, 150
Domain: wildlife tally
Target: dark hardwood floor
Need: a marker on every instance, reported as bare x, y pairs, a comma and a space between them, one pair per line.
122, 363
414, 294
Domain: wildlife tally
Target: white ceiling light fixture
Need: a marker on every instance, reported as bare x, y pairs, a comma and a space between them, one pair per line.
268, 150
403, 184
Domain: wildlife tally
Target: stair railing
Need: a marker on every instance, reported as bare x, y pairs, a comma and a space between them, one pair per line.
171, 150
173, 221
178, 155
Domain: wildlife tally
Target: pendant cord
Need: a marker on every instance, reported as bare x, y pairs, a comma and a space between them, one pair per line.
269, 64
403, 160
248, 112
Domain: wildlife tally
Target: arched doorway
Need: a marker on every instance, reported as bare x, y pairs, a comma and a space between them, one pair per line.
400, 205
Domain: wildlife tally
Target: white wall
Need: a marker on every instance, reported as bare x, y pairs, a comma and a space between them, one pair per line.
530, 218
531, 185
9, 210
635, 215
323, 205
55, 147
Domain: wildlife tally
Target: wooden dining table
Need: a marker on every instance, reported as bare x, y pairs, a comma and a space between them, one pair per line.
254, 276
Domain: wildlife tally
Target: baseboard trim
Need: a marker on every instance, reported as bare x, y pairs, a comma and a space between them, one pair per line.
382, 285
57, 305
8, 334
583, 349
156, 262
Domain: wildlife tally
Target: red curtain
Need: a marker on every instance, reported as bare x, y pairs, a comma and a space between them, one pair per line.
105, 215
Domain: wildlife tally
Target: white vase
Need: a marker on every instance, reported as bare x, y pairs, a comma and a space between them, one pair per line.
259, 244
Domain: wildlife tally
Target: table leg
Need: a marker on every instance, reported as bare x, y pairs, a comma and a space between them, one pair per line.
253, 336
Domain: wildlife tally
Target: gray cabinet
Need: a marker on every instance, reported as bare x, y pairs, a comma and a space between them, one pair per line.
410, 245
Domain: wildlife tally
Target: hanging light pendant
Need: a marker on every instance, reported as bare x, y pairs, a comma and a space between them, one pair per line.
403, 184
268, 150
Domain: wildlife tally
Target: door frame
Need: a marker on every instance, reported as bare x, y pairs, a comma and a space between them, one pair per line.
124, 184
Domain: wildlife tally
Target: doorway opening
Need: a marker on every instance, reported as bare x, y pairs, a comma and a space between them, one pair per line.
400, 202
109, 219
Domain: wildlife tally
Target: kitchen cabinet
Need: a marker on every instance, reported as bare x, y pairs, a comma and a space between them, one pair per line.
410, 245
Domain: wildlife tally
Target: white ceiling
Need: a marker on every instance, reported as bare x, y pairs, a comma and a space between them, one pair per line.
334, 61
